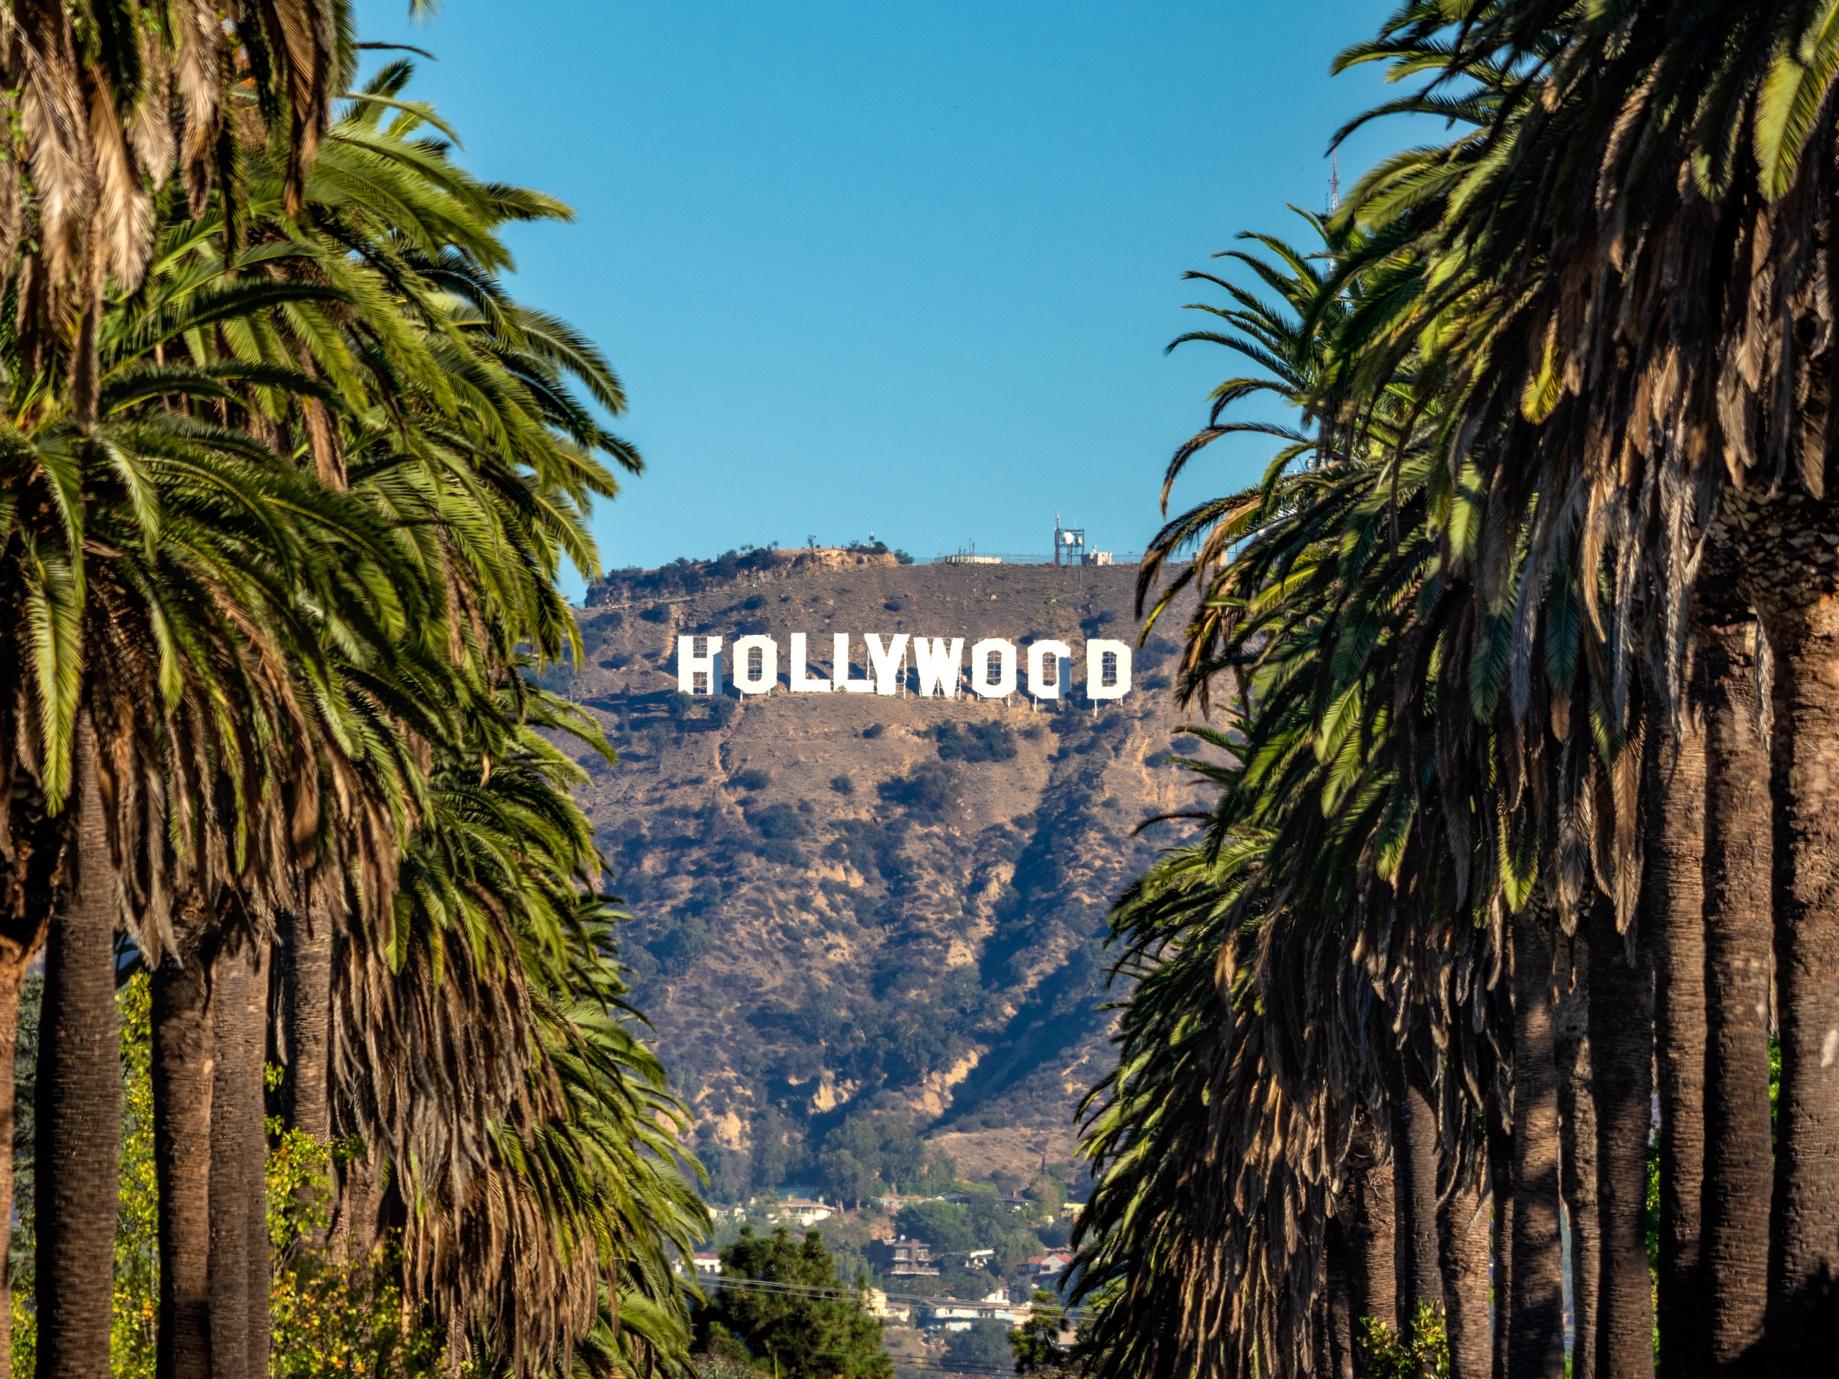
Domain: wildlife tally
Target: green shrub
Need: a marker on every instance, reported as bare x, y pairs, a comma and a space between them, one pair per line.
924, 794
988, 741
782, 852
1387, 1355
777, 821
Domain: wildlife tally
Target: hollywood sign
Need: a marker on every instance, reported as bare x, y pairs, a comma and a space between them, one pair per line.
997, 667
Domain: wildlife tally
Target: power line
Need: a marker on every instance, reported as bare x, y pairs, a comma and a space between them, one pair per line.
819, 1291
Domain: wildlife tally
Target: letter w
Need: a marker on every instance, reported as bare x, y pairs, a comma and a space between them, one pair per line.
940, 665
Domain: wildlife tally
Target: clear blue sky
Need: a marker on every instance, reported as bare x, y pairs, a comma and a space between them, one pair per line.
900, 268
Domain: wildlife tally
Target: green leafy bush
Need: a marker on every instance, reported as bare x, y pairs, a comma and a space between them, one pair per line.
924, 794
777, 821
1424, 1355
988, 741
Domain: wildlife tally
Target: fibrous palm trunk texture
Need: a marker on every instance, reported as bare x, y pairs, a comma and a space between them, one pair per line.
79, 1102
1622, 1059
1577, 1120
1535, 1297
182, 1084
1673, 901
1739, 859
1464, 1225
1414, 1175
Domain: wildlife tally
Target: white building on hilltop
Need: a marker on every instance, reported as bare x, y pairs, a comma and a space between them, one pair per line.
802, 1211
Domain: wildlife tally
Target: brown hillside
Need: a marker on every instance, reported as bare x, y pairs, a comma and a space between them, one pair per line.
849, 903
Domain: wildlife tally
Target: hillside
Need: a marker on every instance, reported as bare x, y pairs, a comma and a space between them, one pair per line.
857, 914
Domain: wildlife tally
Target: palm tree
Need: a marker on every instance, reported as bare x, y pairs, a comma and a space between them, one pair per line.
490, 437
1465, 1243
405, 311
296, 708
1372, 1230
327, 472
1415, 1160
110, 103
1651, 422
236, 1149
159, 596
1178, 1287
1621, 1054
549, 1203
1354, 605
1272, 612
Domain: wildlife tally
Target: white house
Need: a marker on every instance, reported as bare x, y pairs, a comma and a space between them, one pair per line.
803, 1211
957, 1315
1044, 1267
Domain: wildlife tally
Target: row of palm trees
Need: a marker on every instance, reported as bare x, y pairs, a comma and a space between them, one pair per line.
1527, 758
286, 480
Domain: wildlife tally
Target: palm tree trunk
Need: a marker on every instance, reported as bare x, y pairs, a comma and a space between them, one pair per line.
12, 978
254, 1118
1338, 1321
306, 1000
1577, 1116
236, 1090
1673, 899
182, 1078
1372, 1235
1803, 1310
1414, 1175
79, 1102
358, 1208
1738, 879
1463, 1228
1535, 1332
1500, 1188
1622, 1058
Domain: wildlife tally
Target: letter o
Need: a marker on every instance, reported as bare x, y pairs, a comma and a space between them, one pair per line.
1003, 685
746, 679
1040, 684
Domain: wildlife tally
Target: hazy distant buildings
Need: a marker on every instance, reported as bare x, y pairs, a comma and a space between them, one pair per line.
802, 1211
902, 1257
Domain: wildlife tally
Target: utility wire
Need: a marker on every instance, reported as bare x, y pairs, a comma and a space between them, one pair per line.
814, 1290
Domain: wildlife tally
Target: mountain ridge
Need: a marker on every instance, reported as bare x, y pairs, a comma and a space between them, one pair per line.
856, 906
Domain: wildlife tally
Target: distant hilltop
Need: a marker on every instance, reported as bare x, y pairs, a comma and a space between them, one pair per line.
750, 564
755, 564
